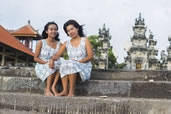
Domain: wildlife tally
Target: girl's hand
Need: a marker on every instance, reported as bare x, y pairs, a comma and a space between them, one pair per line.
77, 60
80, 61
51, 63
74, 59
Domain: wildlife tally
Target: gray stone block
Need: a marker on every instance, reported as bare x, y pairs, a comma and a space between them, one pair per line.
151, 89
83, 105
101, 87
1, 82
22, 84
18, 72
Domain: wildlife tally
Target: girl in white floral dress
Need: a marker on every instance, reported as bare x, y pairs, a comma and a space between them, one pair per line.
80, 53
45, 49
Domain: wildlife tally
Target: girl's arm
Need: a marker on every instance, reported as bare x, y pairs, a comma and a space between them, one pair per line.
89, 52
57, 55
37, 53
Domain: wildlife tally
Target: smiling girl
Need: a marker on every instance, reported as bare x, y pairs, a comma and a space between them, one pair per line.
45, 49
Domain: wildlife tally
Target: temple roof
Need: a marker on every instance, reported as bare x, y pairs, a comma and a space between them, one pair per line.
9, 40
26, 31
139, 37
139, 20
153, 60
138, 48
104, 32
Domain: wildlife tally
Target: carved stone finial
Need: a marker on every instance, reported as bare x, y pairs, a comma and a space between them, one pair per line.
29, 22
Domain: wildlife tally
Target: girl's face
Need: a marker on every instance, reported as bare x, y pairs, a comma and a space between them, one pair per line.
52, 31
72, 31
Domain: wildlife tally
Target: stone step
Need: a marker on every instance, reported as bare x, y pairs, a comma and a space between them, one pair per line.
101, 74
141, 75
139, 89
36, 104
29, 72
10, 111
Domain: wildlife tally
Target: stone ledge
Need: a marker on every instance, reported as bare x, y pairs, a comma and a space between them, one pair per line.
82, 105
18, 72
139, 89
9, 111
101, 74
141, 75
21, 84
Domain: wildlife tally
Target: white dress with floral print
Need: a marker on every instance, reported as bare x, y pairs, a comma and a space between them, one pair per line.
72, 65
43, 70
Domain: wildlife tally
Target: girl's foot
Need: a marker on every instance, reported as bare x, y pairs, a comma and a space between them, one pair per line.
48, 93
71, 95
55, 92
63, 93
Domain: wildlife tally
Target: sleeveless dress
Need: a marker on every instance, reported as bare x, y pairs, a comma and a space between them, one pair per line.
72, 65
43, 70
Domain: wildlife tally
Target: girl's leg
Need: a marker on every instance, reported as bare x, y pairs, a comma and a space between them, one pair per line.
55, 92
64, 92
48, 85
72, 81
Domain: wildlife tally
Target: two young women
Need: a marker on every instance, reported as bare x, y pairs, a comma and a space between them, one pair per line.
49, 62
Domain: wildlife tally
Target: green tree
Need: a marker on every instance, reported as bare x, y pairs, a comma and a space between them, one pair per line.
94, 39
95, 44
65, 55
111, 59
120, 65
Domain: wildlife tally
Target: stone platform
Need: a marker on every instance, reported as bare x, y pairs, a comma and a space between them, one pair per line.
140, 75
36, 104
139, 89
125, 92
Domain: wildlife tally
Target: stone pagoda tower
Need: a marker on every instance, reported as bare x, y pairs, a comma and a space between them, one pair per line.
169, 55
163, 59
137, 58
152, 53
165, 63
104, 39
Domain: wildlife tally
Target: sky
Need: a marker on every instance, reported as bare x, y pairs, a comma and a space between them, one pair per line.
118, 15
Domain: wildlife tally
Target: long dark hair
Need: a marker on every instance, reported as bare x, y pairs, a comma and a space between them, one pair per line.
45, 35
75, 24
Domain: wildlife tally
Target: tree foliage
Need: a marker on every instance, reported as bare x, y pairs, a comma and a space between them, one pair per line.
120, 66
112, 59
94, 39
